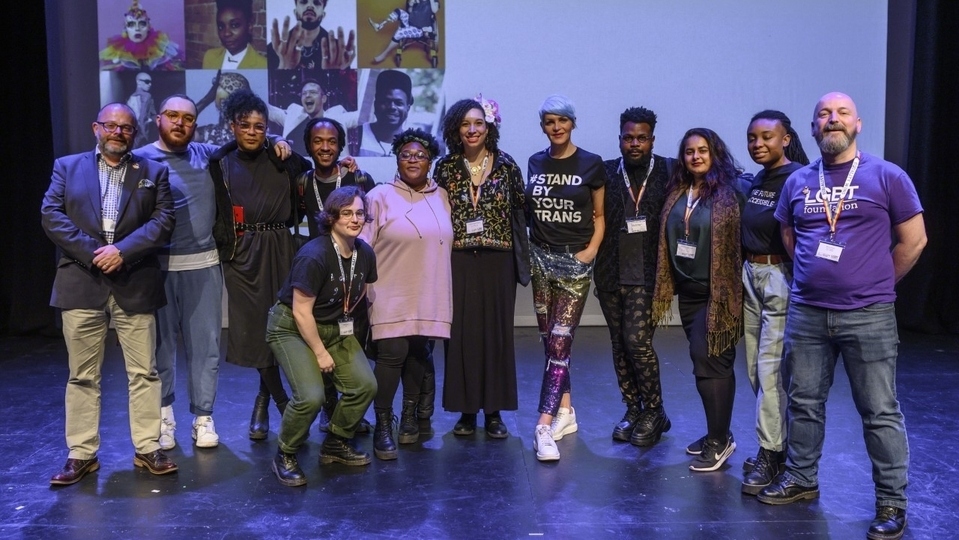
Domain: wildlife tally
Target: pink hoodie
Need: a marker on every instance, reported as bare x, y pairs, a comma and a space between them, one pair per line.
412, 235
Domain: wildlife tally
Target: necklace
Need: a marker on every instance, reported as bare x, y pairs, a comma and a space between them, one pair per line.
476, 170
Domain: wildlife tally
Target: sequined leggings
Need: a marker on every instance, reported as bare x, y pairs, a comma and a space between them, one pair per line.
560, 286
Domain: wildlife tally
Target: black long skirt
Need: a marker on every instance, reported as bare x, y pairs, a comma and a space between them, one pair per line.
480, 360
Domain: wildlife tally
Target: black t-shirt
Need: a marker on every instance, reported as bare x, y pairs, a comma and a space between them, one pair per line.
317, 273
308, 203
560, 195
760, 228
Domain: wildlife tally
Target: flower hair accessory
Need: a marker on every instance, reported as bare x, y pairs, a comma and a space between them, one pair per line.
490, 110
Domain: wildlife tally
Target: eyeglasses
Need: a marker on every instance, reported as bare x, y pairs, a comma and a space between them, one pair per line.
414, 156
174, 117
629, 139
246, 126
111, 127
145, 81
348, 214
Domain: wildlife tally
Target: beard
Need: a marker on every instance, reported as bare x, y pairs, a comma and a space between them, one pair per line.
310, 25
835, 145
175, 140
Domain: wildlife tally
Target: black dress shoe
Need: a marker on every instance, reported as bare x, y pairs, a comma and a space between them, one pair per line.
765, 469
650, 427
156, 462
785, 490
338, 449
287, 470
74, 470
466, 425
495, 428
889, 524
623, 430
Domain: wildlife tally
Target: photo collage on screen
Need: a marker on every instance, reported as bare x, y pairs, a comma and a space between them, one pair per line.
376, 66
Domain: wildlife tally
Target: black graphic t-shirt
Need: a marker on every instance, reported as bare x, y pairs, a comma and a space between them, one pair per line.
560, 195
760, 228
316, 272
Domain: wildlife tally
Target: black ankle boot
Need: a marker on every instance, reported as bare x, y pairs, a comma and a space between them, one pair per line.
624, 429
409, 427
260, 421
764, 471
466, 425
426, 405
338, 449
495, 428
383, 445
287, 470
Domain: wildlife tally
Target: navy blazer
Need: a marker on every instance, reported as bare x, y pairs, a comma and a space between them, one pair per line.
71, 217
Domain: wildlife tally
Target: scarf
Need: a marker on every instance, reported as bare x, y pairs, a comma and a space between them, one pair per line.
724, 308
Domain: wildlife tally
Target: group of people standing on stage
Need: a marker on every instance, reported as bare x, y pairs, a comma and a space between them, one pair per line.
389, 270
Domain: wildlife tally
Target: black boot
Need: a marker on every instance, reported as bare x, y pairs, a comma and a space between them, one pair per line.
765, 469
466, 425
383, 445
495, 428
287, 470
426, 405
260, 421
624, 429
326, 412
336, 448
651, 425
409, 427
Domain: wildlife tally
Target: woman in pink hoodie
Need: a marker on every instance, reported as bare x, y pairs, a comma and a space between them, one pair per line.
411, 303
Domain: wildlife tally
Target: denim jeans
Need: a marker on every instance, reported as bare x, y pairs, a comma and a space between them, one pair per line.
868, 340
765, 301
352, 377
194, 311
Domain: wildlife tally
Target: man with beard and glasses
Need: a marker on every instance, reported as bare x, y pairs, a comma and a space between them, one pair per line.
108, 212
307, 45
192, 277
625, 274
837, 216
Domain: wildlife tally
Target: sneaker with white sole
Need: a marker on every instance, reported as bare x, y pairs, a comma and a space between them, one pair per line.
167, 428
564, 423
204, 433
543, 443
714, 454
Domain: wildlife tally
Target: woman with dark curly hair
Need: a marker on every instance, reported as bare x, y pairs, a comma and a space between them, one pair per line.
311, 331
700, 259
767, 277
410, 304
485, 187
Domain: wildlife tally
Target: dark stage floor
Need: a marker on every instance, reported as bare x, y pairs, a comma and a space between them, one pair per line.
450, 487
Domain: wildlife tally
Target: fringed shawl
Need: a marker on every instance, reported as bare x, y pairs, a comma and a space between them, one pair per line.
724, 309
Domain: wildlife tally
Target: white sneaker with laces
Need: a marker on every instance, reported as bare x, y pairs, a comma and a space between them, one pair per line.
564, 423
167, 428
543, 443
204, 433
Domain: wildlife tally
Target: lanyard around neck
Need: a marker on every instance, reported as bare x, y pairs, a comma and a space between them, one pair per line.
690, 206
642, 188
316, 189
346, 285
831, 218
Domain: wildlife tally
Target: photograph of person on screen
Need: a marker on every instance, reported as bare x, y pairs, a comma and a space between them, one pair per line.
393, 105
139, 46
292, 106
142, 104
307, 45
416, 22
234, 28
224, 84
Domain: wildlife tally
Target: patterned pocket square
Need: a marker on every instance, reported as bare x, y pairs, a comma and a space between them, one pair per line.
146, 183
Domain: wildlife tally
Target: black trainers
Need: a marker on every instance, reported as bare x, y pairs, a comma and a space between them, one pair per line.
784, 490
765, 468
889, 524
287, 470
650, 427
696, 447
713, 454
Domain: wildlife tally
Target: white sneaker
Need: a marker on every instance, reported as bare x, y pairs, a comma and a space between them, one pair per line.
564, 423
543, 443
204, 433
167, 428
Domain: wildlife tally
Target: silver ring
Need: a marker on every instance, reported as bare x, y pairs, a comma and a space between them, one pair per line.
299, 47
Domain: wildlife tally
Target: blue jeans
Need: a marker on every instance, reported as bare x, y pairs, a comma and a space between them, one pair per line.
868, 340
193, 310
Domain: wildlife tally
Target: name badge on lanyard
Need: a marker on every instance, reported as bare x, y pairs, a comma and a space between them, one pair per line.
109, 225
685, 249
829, 250
636, 225
474, 226
346, 326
